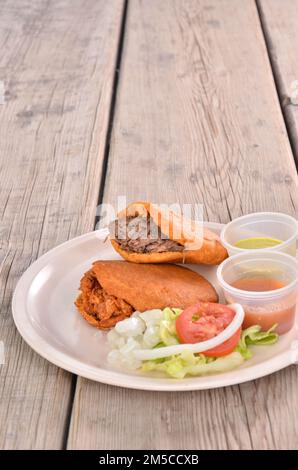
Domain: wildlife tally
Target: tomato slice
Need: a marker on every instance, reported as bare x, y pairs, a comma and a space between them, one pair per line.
203, 321
225, 348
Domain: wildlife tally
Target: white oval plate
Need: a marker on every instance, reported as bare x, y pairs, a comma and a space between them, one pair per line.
45, 315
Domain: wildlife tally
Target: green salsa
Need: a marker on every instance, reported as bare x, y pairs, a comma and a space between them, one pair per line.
257, 243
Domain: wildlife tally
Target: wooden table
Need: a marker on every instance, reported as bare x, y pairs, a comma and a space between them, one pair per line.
166, 100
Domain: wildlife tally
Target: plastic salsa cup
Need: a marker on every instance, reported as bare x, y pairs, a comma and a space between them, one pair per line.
264, 308
270, 231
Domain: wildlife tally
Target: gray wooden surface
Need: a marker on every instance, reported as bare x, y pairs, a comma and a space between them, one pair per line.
280, 24
53, 127
196, 118
191, 132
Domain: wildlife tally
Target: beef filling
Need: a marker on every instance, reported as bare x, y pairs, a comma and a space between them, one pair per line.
142, 235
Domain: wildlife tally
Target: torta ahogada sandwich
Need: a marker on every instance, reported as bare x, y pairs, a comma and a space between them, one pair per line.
113, 290
147, 233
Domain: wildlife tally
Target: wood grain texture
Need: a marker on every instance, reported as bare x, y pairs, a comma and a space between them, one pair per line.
271, 407
280, 23
57, 63
106, 417
197, 120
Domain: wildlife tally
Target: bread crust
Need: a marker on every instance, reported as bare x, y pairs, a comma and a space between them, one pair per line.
208, 250
154, 285
146, 287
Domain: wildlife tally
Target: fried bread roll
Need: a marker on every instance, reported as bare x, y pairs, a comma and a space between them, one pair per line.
112, 290
139, 236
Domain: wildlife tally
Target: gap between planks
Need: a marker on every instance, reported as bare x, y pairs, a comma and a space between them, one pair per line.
235, 424
284, 99
102, 182
58, 157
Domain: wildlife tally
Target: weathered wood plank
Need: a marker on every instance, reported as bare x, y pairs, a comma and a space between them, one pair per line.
115, 418
272, 410
57, 63
280, 22
197, 120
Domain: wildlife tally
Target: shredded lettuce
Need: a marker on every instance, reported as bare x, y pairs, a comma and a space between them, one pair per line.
157, 328
167, 327
188, 364
254, 335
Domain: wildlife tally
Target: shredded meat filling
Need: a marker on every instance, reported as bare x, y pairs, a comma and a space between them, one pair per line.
142, 235
94, 301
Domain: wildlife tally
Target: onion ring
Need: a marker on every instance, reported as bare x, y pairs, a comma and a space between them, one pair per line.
159, 353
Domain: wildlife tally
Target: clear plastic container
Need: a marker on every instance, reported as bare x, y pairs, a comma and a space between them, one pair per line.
267, 307
274, 225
